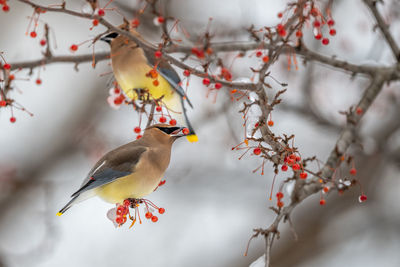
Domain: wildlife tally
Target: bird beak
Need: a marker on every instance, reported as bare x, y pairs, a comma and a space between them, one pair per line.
180, 132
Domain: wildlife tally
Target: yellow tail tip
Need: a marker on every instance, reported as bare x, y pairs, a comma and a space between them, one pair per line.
59, 213
192, 138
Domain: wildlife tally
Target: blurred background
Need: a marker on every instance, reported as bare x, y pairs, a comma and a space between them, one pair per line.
212, 199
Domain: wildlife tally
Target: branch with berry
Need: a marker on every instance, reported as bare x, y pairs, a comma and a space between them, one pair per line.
260, 97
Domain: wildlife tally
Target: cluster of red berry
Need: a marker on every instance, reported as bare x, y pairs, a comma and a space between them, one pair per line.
122, 211
153, 74
5, 6
163, 119
314, 16
207, 82
294, 161
279, 197
116, 97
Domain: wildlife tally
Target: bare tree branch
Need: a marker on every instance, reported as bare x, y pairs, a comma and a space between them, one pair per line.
384, 28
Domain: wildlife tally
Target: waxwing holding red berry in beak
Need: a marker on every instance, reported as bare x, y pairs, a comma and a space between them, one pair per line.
131, 171
136, 68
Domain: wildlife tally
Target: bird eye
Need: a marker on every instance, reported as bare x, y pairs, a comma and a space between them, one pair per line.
168, 130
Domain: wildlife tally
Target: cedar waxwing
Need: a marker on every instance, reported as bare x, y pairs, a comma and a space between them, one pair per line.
133, 170
132, 67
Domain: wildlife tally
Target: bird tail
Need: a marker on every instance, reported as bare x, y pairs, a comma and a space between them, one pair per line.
75, 200
67, 206
191, 137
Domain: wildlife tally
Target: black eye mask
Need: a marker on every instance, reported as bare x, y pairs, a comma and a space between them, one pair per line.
168, 130
109, 37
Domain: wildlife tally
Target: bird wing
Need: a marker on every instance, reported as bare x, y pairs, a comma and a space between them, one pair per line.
168, 73
116, 164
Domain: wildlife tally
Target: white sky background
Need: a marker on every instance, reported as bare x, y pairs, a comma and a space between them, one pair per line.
212, 200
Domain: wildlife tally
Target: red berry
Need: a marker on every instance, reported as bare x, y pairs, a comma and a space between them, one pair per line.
186, 73
3, 103
127, 202
117, 91
256, 125
11, 77
362, 198
33, 34
156, 82
137, 129
185, 131
284, 167
198, 52
314, 12
331, 22
154, 219
322, 202
359, 111
279, 195
282, 32
73, 47
120, 210
101, 12
172, 122
7, 66
325, 41
280, 15
226, 74
13, 119
353, 171
218, 86
303, 175
148, 215
138, 136
160, 19
259, 54
265, 59
43, 42
332, 32
158, 54
6, 8
162, 119
296, 167
280, 204
161, 210
318, 36
270, 123
38, 81
299, 34
326, 189
135, 23
153, 74
257, 151
317, 24
297, 158
206, 81
118, 100
119, 219
158, 108
95, 22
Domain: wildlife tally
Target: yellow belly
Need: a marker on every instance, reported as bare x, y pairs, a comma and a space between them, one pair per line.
135, 78
131, 186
